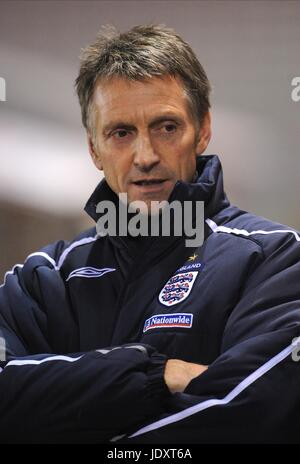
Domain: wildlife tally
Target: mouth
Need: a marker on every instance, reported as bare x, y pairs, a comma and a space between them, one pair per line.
147, 182
150, 186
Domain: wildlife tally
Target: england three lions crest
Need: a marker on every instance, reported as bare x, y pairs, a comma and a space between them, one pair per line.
178, 288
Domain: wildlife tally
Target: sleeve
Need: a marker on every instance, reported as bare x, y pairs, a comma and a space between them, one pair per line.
251, 392
52, 397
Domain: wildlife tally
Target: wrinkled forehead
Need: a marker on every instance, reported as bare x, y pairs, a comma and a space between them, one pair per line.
119, 97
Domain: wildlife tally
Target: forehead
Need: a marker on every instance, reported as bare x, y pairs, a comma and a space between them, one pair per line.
121, 98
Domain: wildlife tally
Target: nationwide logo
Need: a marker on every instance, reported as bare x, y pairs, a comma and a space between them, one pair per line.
89, 272
178, 288
182, 320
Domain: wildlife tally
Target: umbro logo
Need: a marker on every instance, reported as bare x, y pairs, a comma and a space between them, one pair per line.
89, 272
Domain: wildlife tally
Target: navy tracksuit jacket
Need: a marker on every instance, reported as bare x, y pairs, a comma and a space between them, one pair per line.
86, 329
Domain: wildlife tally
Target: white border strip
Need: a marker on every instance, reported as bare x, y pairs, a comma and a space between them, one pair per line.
25, 362
10, 272
215, 228
41, 253
83, 241
57, 357
216, 402
51, 260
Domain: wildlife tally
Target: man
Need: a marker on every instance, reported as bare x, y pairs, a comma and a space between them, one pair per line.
143, 339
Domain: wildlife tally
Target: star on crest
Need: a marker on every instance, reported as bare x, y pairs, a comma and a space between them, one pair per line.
193, 257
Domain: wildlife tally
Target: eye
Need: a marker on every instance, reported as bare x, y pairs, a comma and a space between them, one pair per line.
169, 127
120, 133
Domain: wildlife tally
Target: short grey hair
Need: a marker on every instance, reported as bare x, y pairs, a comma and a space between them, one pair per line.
140, 53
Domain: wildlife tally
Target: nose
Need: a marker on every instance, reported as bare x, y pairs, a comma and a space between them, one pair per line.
145, 157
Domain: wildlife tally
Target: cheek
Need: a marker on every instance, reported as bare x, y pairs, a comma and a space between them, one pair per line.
188, 168
184, 159
115, 171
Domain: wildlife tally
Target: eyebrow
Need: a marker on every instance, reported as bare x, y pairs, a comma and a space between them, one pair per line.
111, 126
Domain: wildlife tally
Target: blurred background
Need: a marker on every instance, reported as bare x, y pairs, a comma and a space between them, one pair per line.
250, 50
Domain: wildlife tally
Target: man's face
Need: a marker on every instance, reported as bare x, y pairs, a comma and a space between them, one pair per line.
146, 138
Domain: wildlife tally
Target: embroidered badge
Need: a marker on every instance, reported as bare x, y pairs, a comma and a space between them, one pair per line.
89, 272
183, 320
178, 288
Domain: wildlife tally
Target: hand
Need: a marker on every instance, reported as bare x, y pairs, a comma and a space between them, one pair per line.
178, 374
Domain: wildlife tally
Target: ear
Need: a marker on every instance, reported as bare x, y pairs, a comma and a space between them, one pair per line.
94, 152
204, 134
